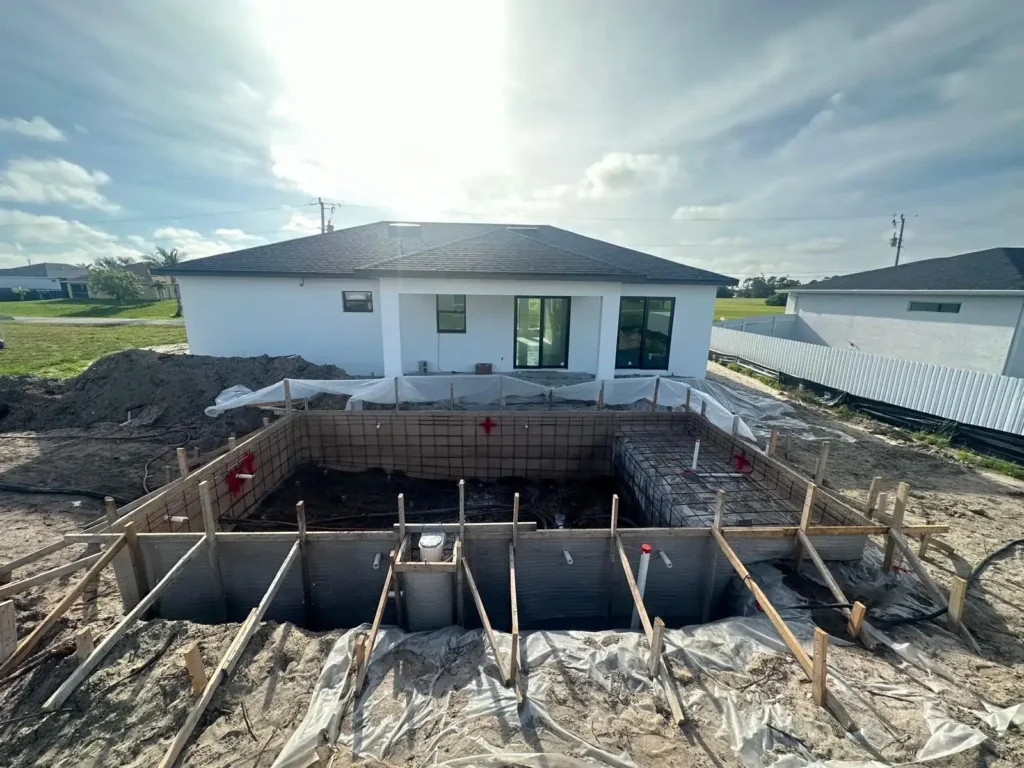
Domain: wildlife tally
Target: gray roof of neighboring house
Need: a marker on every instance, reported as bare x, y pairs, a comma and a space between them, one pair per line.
50, 269
451, 250
995, 269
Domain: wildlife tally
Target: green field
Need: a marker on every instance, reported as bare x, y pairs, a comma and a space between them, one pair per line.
59, 351
88, 308
733, 308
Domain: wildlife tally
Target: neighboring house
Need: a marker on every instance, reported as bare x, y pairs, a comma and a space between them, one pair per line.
963, 311
46, 280
53, 280
394, 298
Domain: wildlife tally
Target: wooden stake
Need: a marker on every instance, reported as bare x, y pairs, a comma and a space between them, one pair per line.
232, 442
397, 400
820, 666
451, 395
167, 474
83, 644
485, 621
600, 397
266, 422
228, 661
307, 582
898, 511
401, 518
615, 516
110, 510
703, 408
195, 454
873, 491
773, 442
515, 519
210, 533
922, 549
287, 396
881, 505
634, 590
514, 660
182, 463
735, 424
135, 553
377, 617
709, 581
460, 607
656, 644
805, 523
108, 642
32, 639
957, 599
8, 630
657, 386
819, 468
856, 619
196, 670
686, 403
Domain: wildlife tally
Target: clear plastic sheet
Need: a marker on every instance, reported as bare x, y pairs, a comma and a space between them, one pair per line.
478, 390
441, 691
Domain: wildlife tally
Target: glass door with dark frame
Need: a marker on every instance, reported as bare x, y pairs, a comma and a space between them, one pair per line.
645, 333
542, 332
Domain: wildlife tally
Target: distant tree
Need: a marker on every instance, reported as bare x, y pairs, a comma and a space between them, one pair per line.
756, 288
171, 258
779, 283
20, 292
777, 300
113, 262
116, 282
725, 292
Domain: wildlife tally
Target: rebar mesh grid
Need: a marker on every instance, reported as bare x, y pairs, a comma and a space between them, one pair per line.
657, 466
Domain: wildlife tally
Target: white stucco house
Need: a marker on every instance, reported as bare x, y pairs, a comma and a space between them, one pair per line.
963, 311
394, 298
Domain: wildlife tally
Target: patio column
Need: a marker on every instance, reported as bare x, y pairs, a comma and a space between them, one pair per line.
390, 327
608, 338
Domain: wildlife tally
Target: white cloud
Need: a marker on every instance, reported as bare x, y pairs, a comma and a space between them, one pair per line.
621, 174
697, 212
54, 181
36, 128
51, 238
299, 222
194, 245
819, 245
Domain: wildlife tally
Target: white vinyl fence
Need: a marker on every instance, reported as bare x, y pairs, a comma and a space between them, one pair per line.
968, 397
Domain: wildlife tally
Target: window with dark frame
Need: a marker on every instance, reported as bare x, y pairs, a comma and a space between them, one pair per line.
645, 333
451, 313
357, 301
934, 306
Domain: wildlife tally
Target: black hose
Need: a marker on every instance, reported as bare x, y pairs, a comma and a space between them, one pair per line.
971, 578
61, 491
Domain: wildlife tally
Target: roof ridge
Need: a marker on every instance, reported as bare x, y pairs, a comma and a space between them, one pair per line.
574, 252
376, 264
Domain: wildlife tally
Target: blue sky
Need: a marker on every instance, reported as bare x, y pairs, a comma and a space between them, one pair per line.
740, 135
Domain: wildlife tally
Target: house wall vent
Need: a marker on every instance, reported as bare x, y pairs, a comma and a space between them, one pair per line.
399, 229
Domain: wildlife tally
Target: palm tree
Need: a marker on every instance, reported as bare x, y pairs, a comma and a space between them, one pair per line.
113, 262
168, 258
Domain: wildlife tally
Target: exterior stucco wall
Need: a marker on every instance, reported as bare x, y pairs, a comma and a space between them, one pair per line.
977, 338
239, 316
250, 316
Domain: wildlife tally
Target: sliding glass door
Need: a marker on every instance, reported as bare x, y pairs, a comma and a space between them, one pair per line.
542, 332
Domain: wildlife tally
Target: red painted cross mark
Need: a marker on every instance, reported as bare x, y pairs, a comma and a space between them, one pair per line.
487, 425
741, 463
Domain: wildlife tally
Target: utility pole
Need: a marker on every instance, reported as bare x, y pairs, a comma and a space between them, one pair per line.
323, 227
897, 240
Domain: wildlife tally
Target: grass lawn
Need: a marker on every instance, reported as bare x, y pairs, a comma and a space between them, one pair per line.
59, 351
88, 308
733, 308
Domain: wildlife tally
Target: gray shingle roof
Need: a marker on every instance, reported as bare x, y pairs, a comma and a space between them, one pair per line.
450, 249
995, 269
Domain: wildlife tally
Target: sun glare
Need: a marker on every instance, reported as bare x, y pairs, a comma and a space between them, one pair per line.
389, 103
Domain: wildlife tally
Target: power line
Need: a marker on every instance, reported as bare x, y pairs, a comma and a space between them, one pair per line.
91, 222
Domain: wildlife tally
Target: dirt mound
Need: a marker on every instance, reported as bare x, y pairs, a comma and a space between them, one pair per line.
158, 389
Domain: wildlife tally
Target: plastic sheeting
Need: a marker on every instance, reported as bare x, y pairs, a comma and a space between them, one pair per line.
439, 695
493, 389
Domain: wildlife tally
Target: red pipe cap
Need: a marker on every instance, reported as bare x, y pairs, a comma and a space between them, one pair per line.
645, 549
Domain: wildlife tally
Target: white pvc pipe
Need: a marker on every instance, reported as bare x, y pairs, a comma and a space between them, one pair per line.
696, 453
664, 558
567, 556
641, 581
376, 561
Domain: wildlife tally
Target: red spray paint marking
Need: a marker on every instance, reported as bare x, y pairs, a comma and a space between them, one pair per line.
245, 466
487, 425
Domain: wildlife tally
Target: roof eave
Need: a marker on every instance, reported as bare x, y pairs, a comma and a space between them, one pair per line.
957, 291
